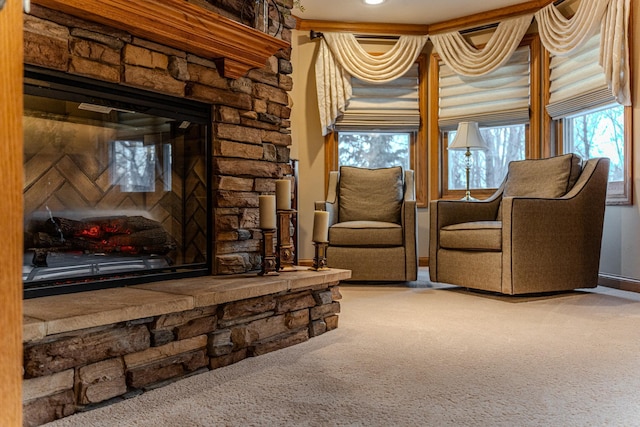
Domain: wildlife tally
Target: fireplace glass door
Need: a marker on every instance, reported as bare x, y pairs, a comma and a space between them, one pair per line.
115, 186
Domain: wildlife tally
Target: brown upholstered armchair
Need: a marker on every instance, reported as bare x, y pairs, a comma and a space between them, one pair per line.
372, 222
540, 232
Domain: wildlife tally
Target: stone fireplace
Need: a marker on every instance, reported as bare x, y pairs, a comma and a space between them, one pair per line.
230, 137
160, 160
116, 185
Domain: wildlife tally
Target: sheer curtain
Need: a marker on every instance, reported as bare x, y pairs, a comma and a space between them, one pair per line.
614, 49
333, 87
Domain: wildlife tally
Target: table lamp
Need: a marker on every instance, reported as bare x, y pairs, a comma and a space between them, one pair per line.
468, 138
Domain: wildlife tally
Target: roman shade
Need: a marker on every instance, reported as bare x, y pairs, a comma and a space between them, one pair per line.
566, 37
497, 98
577, 82
387, 106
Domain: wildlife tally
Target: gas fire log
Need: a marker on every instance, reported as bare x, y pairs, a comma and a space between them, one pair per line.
149, 242
152, 237
127, 235
98, 227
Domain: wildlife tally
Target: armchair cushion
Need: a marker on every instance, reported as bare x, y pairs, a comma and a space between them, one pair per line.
544, 178
472, 236
370, 194
366, 233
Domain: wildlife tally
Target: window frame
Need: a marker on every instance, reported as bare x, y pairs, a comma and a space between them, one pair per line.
418, 154
479, 193
553, 130
439, 167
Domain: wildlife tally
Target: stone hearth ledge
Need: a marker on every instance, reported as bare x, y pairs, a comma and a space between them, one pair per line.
66, 313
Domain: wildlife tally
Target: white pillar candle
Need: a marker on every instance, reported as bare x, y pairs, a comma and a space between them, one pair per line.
267, 205
283, 194
320, 226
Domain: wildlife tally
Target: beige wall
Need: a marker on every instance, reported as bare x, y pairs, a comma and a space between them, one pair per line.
621, 242
307, 140
621, 245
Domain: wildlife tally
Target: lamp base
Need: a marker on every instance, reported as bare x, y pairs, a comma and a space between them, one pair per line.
467, 198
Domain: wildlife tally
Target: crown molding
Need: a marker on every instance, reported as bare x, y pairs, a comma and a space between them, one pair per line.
361, 27
478, 19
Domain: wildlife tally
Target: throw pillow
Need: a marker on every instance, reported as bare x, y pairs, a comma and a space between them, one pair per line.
551, 177
545, 178
370, 194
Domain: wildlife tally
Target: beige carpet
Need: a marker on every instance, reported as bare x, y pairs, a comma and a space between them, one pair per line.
424, 356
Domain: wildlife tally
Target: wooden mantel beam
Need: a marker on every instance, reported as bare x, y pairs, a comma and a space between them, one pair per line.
181, 25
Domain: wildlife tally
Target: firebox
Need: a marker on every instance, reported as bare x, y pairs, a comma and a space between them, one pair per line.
116, 187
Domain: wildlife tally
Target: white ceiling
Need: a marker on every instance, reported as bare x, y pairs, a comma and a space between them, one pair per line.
397, 11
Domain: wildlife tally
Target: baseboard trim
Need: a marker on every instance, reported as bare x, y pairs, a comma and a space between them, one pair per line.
619, 282
422, 262
608, 280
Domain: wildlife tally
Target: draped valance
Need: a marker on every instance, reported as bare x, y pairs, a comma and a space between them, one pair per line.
341, 56
468, 60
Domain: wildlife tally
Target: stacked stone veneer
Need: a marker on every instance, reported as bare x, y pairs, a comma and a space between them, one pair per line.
250, 129
71, 372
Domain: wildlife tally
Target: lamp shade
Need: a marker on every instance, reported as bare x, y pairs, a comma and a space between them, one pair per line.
468, 137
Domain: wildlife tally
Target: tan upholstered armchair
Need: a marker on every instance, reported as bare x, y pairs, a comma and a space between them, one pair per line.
372, 222
540, 232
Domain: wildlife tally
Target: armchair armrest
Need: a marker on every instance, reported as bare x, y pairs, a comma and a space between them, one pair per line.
331, 204
332, 208
561, 236
409, 185
447, 212
410, 231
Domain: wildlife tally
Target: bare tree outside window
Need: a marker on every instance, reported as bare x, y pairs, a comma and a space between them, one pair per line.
598, 133
134, 165
374, 149
506, 143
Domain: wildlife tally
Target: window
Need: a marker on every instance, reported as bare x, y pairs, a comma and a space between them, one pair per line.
600, 132
135, 165
500, 102
506, 143
374, 149
583, 114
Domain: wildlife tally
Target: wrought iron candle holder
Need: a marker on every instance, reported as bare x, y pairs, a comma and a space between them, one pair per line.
284, 246
269, 265
320, 256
